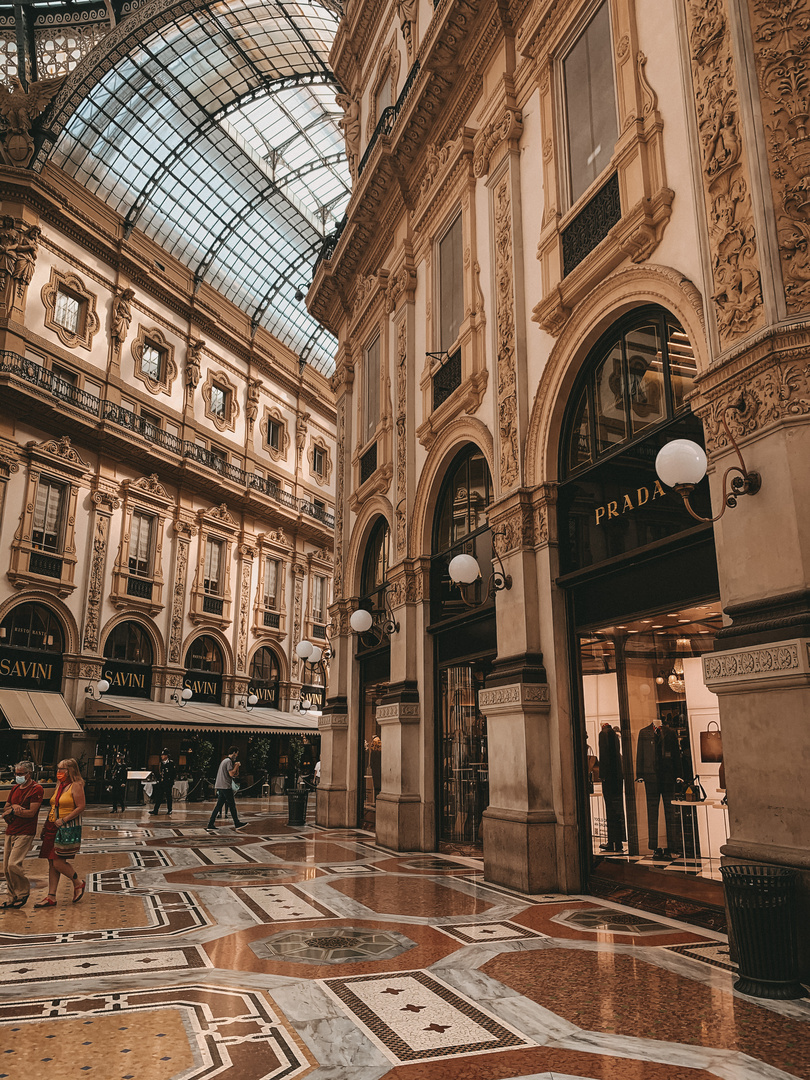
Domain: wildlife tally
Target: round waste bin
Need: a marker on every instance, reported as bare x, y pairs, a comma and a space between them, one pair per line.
297, 806
761, 903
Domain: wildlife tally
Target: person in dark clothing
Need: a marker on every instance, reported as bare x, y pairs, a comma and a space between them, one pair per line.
658, 766
227, 774
611, 773
118, 781
167, 771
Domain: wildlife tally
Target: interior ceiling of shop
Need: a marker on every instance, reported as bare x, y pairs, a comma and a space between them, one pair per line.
218, 137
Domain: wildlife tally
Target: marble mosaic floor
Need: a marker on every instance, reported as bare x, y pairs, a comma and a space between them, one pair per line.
279, 952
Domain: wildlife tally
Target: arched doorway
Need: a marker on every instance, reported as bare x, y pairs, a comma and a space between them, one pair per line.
465, 645
32, 641
204, 667
641, 578
128, 658
265, 677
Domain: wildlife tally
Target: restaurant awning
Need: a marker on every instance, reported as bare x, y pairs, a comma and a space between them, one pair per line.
35, 710
135, 714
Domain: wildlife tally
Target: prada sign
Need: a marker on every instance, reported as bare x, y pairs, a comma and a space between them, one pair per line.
205, 686
132, 680
25, 669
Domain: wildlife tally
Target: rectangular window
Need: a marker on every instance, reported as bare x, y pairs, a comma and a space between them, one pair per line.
371, 389
271, 576
590, 103
451, 285
149, 421
218, 458
212, 570
274, 434
319, 599
318, 461
219, 401
152, 361
49, 511
64, 382
67, 312
141, 533
383, 100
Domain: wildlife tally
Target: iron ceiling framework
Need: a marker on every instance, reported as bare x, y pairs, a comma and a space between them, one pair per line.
214, 129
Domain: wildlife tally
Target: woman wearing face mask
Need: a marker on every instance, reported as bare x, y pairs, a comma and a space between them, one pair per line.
20, 815
61, 836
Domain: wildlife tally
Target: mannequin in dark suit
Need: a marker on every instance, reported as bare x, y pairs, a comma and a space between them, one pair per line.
658, 764
612, 775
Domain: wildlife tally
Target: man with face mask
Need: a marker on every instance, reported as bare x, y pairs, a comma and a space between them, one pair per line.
20, 814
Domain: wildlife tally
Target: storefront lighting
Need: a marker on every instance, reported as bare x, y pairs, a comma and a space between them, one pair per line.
464, 570
363, 621
101, 687
183, 698
248, 702
315, 658
681, 464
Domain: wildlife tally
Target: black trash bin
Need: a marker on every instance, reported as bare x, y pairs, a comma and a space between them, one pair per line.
297, 806
761, 904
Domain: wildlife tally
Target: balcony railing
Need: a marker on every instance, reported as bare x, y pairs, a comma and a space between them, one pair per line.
319, 632
385, 125
140, 587
272, 618
447, 378
368, 463
37, 375
47, 565
213, 605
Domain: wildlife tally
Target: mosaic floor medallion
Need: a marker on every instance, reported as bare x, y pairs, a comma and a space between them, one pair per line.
413, 1016
619, 922
241, 873
427, 863
349, 944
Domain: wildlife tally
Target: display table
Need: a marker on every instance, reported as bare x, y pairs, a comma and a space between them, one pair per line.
180, 790
704, 832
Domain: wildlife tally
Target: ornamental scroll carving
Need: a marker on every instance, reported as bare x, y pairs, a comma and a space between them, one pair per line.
735, 260
298, 594
402, 448
505, 321
244, 615
782, 51
341, 472
96, 581
178, 599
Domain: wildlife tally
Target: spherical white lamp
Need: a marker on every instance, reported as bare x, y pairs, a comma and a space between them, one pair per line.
681, 463
187, 694
464, 569
306, 703
252, 699
102, 686
315, 655
360, 621
303, 649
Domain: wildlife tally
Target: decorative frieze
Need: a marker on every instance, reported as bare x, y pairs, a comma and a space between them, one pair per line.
726, 670
96, 584
178, 599
527, 696
505, 318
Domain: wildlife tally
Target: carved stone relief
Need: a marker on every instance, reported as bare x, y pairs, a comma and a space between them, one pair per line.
121, 317
341, 472
735, 260
178, 602
505, 322
298, 594
244, 616
19, 245
402, 446
96, 581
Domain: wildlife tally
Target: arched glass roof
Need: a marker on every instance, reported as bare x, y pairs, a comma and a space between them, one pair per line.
216, 133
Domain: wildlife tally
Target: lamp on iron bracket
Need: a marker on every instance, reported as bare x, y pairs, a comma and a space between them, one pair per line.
247, 703
182, 699
681, 464
101, 687
464, 570
363, 622
314, 658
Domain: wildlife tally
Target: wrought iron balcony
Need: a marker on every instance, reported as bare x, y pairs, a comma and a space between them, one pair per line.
47, 565
272, 618
140, 587
447, 378
37, 375
213, 605
388, 117
125, 418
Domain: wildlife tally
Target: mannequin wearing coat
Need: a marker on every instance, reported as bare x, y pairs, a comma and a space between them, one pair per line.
659, 767
611, 772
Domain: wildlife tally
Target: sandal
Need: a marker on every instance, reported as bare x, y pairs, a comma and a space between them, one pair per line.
49, 901
78, 891
21, 901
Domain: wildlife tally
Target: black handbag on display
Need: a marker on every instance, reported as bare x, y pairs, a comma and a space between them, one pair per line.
694, 791
711, 743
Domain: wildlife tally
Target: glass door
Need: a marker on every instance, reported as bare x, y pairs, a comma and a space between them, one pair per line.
463, 768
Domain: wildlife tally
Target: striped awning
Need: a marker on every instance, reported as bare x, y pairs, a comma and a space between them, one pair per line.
36, 710
138, 714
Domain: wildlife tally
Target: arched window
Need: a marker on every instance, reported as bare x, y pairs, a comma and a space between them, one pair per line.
204, 654
264, 677
128, 641
461, 525
635, 379
374, 577
32, 626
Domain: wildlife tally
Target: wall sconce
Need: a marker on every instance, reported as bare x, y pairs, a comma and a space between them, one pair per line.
102, 686
183, 698
248, 702
681, 464
314, 657
464, 570
363, 622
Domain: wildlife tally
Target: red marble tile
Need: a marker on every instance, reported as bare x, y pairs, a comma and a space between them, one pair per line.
315, 851
414, 895
539, 918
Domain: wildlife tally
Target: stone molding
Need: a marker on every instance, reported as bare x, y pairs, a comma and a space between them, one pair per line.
768, 664
400, 712
534, 697
333, 720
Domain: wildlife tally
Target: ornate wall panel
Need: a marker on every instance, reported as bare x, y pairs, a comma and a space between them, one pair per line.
507, 386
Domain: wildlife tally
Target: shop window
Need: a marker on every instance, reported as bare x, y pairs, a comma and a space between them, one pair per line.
212, 574
264, 677
128, 641
371, 389
464, 769
451, 285
68, 311
204, 668
204, 654
590, 103
141, 544
32, 626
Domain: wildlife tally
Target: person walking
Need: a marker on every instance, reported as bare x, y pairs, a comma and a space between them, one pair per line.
167, 771
118, 781
20, 814
62, 833
227, 774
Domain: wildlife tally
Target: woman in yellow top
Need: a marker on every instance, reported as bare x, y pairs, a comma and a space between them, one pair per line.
67, 804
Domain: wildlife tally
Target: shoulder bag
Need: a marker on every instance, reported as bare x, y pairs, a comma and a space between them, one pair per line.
694, 791
68, 839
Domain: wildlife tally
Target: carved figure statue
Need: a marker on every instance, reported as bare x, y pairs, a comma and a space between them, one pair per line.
724, 147
193, 364
407, 9
19, 108
351, 129
301, 430
252, 404
121, 316
9, 238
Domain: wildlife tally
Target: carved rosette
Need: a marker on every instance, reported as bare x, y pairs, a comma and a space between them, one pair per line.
727, 188
505, 322
178, 600
96, 581
782, 51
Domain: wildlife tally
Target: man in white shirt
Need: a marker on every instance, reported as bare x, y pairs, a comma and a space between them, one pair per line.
227, 774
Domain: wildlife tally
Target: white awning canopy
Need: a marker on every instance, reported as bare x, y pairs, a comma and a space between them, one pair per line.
35, 710
139, 714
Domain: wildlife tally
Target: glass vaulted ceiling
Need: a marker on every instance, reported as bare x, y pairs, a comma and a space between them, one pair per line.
218, 137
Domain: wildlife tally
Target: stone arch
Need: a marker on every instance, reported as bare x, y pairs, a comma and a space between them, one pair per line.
375, 507
629, 288
283, 665
60, 610
152, 632
457, 434
219, 638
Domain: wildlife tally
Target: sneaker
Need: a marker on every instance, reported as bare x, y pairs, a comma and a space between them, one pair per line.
241, 825
210, 828
153, 813
168, 813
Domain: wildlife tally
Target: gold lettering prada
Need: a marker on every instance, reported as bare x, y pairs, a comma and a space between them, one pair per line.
629, 501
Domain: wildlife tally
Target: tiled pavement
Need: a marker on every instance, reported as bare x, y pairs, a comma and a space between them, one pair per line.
280, 952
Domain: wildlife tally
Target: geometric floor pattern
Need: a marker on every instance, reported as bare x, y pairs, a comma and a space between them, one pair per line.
280, 952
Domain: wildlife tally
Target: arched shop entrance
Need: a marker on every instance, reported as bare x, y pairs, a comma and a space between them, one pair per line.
128, 661
465, 645
643, 603
204, 666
